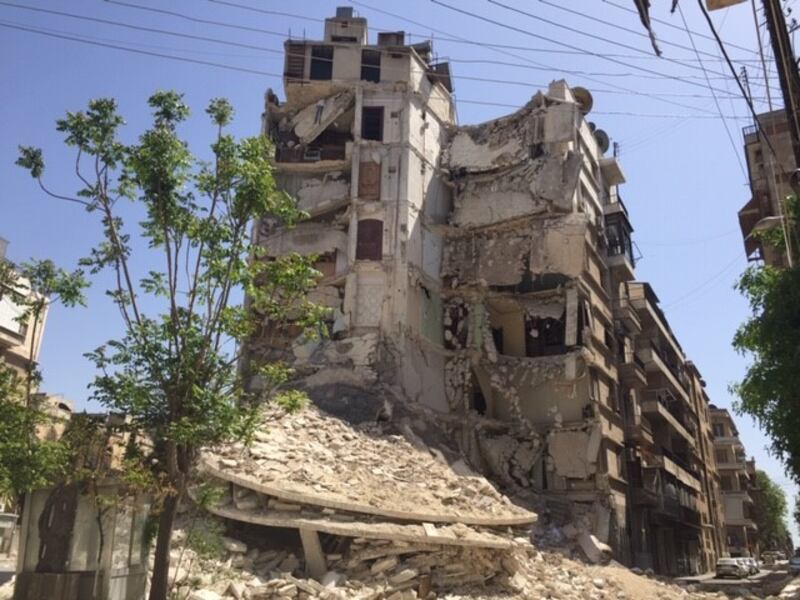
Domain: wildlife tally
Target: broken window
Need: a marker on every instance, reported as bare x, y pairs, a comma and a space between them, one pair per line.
321, 62
295, 61
613, 398
477, 401
369, 240
536, 150
497, 338
545, 336
326, 264
371, 66
372, 123
618, 236
455, 326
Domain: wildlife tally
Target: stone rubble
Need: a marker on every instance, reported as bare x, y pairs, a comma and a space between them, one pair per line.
315, 458
379, 569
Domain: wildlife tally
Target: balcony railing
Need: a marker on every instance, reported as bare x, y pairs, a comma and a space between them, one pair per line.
668, 401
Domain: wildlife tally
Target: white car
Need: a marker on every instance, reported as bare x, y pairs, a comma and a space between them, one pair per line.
752, 565
731, 567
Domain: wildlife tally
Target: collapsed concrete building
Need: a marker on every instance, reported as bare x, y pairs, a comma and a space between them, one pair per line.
483, 275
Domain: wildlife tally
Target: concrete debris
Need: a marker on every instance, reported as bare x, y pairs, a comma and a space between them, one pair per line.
595, 550
316, 459
377, 569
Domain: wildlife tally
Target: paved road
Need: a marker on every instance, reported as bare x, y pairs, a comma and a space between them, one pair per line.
771, 580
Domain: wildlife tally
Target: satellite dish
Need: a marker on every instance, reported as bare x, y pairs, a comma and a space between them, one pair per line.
602, 140
592, 126
584, 99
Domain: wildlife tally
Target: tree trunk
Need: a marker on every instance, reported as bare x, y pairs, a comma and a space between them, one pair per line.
159, 587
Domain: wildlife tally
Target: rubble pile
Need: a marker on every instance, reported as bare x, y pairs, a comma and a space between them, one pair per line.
315, 458
400, 571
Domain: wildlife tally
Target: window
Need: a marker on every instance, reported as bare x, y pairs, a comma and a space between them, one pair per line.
295, 61
719, 430
545, 336
371, 65
369, 240
721, 456
321, 62
372, 123
726, 483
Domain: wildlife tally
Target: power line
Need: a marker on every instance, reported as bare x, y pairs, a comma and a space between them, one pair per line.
140, 28
560, 43
716, 101
611, 113
276, 51
706, 282
136, 51
739, 83
595, 19
91, 42
673, 26
588, 78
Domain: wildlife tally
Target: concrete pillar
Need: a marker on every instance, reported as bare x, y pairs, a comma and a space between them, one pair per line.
316, 566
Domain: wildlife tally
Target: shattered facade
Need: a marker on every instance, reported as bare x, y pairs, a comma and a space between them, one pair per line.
483, 275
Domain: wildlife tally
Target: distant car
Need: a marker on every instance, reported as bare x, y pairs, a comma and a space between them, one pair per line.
794, 565
732, 567
752, 565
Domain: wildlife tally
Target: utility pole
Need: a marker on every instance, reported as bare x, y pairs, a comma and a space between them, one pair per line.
787, 70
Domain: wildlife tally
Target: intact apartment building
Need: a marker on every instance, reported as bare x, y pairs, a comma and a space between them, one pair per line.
737, 477
487, 273
769, 184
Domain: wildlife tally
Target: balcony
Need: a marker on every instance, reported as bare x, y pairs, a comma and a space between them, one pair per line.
656, 408
639, 431
655, 362
631, 371
736, 464
728, 440
612, 171
623, 310
619, 252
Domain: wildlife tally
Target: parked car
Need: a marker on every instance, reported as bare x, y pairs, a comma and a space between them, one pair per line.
794, 565
731, 567
752, 565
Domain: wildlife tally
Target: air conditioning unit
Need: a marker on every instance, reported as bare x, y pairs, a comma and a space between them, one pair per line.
312, 154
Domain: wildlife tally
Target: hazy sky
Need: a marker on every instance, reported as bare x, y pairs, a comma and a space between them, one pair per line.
685, 182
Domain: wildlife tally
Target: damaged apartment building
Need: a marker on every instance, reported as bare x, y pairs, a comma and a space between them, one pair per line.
486, 274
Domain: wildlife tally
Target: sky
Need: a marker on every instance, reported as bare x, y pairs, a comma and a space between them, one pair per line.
680, 149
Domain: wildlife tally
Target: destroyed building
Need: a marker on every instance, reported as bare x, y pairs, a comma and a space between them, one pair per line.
484, 308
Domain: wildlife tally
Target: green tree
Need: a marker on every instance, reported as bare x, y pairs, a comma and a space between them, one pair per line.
175, 371
770, 513
28, 460
770, 389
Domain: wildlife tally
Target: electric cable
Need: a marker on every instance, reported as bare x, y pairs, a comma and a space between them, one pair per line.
560, 43
716, 101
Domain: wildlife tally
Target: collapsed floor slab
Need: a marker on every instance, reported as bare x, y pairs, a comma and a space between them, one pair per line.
314, 458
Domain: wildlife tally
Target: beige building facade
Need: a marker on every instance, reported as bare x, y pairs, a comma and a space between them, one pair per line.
735, 479
486, 273
20, 343
770, 164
